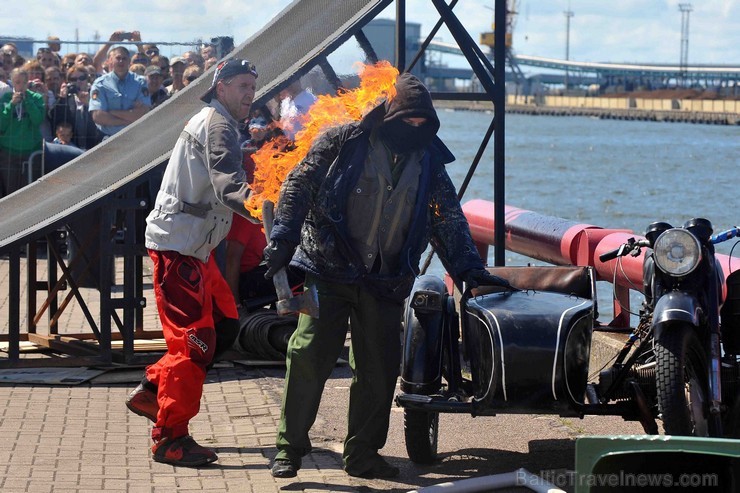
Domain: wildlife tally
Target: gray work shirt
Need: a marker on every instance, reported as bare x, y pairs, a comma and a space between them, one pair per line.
379, 211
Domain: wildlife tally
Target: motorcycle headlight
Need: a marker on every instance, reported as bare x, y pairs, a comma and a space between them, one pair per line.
677, 252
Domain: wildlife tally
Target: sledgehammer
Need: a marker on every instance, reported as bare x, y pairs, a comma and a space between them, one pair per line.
308, 302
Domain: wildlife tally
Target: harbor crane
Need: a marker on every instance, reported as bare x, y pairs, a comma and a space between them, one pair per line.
488, 38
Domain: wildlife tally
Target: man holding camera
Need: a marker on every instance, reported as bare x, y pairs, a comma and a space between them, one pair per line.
72, 107
119, 97
21, 114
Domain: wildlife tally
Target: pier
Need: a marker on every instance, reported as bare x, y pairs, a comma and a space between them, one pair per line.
702, 111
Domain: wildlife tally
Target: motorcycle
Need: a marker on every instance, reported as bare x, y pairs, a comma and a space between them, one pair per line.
526, 349
689, 338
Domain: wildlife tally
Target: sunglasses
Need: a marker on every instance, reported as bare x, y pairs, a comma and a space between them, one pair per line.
252, 69
191, 78
79, 78
250, 66
43, 50
152, 52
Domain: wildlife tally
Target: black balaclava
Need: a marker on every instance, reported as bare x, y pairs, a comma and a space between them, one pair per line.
412, 100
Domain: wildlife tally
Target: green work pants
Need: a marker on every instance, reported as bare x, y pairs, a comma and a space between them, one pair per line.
375, 355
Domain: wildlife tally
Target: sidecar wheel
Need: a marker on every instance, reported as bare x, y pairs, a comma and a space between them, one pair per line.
682, 383
421, 430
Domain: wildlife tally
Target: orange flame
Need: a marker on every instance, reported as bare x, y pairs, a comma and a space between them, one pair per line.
273, 162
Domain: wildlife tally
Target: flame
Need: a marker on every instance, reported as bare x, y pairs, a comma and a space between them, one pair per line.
274, 160
436, 209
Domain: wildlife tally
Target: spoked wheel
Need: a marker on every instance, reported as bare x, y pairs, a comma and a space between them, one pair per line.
682, 382
421, 431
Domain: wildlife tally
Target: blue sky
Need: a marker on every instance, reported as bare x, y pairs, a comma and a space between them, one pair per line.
628, 30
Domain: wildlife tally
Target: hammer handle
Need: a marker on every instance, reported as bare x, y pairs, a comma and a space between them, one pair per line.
280, 279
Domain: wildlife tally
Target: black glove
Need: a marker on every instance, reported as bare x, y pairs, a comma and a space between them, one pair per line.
475, 277
277, 255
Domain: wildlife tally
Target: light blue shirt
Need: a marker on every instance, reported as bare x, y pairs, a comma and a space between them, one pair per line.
109, 93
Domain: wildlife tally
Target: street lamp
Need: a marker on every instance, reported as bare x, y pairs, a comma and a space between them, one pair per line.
685, 9
568, 14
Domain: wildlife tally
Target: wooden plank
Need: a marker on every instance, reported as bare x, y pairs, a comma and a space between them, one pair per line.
63, 344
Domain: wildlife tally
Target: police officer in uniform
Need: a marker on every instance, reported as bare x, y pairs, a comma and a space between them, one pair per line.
119, 97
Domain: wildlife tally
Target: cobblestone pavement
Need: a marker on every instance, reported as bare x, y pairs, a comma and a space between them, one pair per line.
83, 439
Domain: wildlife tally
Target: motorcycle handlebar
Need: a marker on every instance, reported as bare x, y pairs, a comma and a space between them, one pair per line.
610, 255
725, 235
624, 249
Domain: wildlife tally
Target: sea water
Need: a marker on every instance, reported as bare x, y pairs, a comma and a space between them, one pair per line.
608, 173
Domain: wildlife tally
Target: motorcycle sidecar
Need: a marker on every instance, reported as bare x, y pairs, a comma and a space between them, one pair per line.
521, 351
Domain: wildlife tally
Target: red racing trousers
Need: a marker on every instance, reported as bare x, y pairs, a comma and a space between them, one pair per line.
192, 297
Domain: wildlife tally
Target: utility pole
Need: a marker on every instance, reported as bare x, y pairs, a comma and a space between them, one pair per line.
685, 9
568, 14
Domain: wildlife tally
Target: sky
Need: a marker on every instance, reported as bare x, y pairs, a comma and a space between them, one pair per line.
623, 31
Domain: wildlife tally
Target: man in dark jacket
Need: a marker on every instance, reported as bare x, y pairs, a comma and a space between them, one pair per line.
361, 209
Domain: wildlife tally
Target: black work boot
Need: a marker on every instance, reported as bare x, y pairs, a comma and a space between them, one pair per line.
284, 468
380, 469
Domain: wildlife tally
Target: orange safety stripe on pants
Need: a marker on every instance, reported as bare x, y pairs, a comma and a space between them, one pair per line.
192, 297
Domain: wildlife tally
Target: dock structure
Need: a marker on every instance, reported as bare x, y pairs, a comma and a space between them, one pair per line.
608, 76
709, 118
711, 112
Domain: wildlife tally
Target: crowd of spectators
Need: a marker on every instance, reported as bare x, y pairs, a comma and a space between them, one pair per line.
80, 99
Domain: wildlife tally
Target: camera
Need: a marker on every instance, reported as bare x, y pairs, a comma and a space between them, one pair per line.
125, 36
72, 89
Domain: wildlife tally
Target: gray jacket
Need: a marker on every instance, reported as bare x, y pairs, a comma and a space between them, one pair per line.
203, 184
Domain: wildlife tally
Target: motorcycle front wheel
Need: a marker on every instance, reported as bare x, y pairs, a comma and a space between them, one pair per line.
682, 382
421, 431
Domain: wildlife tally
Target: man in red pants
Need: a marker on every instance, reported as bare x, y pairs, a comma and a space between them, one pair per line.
203, 184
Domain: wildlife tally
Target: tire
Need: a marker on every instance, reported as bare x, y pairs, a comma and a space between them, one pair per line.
682, 382
421, 430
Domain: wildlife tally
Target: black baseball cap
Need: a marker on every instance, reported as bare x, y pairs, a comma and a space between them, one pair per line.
226, 70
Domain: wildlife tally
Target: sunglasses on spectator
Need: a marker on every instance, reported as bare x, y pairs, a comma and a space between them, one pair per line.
79, 78
191, 78
152, 52
43, 50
